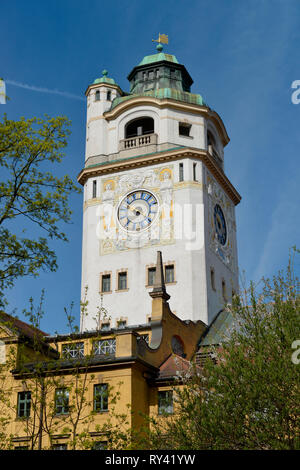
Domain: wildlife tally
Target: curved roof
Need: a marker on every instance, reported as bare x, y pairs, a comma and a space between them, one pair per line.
104, 79
150, 59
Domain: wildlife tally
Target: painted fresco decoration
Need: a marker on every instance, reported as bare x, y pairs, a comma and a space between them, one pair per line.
137, 210
221, 223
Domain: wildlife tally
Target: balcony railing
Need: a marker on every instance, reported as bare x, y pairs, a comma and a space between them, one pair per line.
138, 141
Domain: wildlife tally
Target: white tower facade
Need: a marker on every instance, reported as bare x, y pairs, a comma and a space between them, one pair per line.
154, 180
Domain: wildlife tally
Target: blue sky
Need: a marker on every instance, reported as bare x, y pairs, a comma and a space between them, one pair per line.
243, 56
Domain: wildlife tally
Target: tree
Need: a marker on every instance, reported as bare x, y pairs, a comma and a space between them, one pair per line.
31, 196
56, 388
249, 398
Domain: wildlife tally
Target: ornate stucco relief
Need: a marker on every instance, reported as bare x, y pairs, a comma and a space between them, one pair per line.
217, 196
161, 232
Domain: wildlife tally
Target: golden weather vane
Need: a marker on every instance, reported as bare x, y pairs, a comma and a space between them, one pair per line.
162, 39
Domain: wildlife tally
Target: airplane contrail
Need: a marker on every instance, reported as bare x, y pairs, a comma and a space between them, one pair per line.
65, 94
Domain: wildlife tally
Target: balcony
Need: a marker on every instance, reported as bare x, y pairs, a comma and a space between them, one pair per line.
138, 141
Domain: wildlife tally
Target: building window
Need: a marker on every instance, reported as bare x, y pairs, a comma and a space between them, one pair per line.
224, 290
94, 189
105, 283
61, 401
122, 281
105, 326
105, 346
169, 273
108, 96
73, 350
100, 445
181, 176
165, 402
24, 404
210, 139
195, 171
145, 337
122, 324
100, 397
151, 276
184, 129
140, 126
212, 278
97, 95
59, 447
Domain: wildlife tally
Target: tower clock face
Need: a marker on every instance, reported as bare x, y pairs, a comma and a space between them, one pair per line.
220, 224
137, 210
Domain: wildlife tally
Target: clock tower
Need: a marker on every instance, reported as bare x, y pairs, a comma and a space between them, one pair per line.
154, 180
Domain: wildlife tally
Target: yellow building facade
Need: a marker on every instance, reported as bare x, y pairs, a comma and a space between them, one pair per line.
91, 390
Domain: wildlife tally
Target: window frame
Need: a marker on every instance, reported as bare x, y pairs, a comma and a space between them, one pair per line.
100, 398
100, 445
121, 324
58, 446
105, 276
121, 274
26, 403
78, 350
105, 325
104, 347
195, 171
184, 125
165, 405
94, 189
65, 398
181, 172
146, 123
170, 265
151, 269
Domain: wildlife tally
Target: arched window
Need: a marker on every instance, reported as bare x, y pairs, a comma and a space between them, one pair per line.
97, 95
137, 127
210, 139
212, 148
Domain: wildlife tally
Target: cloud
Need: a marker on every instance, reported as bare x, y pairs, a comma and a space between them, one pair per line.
65, 94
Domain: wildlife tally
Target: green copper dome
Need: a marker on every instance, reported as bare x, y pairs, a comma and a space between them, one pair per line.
104, 79
150, 59
160, 76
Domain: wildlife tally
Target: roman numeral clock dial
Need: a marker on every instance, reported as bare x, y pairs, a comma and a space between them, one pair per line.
137, 210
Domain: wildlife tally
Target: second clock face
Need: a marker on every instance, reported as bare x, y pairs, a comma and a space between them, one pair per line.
220, 224
137, 210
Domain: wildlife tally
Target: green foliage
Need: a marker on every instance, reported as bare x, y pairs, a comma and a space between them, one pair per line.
250, 398
31, 195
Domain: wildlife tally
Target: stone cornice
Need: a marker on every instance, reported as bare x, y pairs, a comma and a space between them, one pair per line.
162, 157
172, 104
